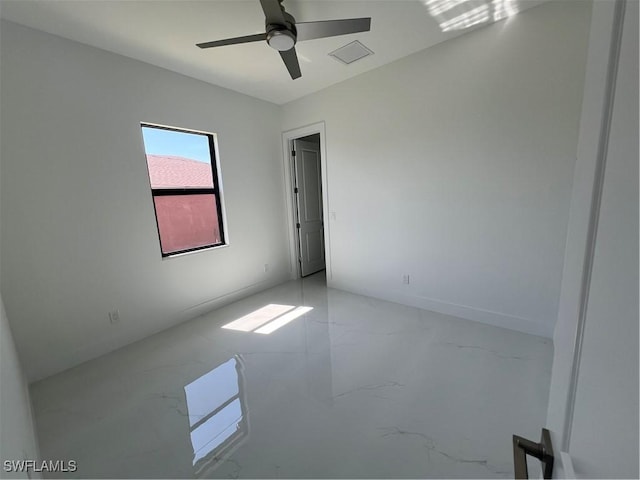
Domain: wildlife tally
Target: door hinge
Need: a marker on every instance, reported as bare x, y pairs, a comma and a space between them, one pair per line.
295, 190
297, 225
293, 153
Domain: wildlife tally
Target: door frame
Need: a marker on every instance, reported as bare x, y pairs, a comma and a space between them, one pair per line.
588, 177
287, 139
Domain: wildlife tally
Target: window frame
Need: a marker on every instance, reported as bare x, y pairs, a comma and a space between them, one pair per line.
216, 190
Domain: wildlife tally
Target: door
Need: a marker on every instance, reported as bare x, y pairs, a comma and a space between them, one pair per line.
308, 200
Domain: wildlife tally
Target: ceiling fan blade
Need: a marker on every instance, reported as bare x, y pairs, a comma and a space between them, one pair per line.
233, 41
273, 12
290, 59
332, 28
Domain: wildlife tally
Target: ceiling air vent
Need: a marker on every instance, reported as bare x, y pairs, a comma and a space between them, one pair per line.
351, 52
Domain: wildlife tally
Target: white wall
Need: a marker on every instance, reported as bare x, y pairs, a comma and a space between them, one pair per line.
79, 236
602, 435
454, 165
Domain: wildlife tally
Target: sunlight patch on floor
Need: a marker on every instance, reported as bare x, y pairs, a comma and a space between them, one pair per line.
267, 319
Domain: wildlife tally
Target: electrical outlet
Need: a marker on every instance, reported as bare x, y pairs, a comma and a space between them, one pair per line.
405, 279
266, 267
114, 316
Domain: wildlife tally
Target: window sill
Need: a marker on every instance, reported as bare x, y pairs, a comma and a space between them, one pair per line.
208, 249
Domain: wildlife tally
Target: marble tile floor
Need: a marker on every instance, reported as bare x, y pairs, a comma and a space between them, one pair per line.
352, 388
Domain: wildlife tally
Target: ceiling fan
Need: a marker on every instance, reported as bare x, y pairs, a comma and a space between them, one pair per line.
282, 33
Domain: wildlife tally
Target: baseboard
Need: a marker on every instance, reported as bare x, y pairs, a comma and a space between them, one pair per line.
495, 319
109, 344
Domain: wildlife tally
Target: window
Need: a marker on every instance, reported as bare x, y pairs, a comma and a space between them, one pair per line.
183, 174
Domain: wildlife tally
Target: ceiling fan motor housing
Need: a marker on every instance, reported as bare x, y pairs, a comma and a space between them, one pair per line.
282, 37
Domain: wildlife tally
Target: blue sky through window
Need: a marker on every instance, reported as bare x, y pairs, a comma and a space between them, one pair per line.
158, 141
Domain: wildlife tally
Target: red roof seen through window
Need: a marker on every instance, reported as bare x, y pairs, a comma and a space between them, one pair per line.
167, 171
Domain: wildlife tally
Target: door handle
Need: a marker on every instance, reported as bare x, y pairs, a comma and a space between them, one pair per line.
543, 451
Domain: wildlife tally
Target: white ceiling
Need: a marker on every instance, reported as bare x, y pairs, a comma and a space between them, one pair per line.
164, 33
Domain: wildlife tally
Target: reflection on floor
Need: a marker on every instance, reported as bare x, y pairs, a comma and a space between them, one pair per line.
217, 412
346, 387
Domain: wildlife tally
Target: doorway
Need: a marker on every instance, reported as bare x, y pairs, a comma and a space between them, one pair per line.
305, 175
307, 202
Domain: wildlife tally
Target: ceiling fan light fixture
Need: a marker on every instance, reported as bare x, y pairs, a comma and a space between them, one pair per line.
281, 40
